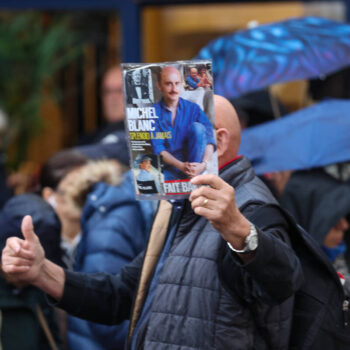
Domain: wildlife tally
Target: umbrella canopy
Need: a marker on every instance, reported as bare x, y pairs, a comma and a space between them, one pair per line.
256, 108
298, 48
311, 137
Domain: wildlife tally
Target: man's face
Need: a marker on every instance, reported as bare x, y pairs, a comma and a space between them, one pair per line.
193, 73
112, 96
136, 76
170, 85
146, 165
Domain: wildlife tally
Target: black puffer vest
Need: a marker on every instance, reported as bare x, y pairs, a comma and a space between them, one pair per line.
192, 309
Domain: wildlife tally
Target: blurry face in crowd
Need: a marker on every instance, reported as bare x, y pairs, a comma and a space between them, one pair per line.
146, 165
170, 85
136, 76
112, 96
203, 71
335, 236
65, 208
193, 73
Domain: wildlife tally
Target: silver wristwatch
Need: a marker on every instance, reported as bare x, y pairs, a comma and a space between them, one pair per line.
250, 242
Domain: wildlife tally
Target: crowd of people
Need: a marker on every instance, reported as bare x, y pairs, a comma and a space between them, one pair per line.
218, 270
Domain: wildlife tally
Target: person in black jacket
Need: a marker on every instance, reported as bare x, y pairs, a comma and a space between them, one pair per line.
321, 204
20, 304
211, 271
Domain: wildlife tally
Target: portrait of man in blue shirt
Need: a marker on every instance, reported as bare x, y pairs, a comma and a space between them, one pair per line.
192, 143
192, 79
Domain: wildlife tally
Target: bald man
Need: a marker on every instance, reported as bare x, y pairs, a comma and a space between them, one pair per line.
193, 80
192, 143
218, 272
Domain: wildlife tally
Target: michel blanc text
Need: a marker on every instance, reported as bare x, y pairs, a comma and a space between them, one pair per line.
141, 124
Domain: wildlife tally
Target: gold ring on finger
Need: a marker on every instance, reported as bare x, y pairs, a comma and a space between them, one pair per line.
205, 202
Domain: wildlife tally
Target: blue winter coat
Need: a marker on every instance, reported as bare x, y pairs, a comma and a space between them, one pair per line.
115, 229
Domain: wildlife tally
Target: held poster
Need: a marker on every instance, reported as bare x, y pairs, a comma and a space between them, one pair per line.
169, 121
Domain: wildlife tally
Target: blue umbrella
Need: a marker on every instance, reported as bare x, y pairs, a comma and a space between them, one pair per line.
311, 137
294, 49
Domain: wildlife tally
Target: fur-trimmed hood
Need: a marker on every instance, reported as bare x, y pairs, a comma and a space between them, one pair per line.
82, 181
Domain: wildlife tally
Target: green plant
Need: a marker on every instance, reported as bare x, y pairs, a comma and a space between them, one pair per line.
33, 48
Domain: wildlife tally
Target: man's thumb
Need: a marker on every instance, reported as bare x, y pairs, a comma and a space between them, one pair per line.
28, 228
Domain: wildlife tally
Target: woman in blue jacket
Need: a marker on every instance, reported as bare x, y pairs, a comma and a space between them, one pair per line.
115, 229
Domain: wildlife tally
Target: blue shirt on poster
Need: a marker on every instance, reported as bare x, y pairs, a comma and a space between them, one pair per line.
187, 114
192, 82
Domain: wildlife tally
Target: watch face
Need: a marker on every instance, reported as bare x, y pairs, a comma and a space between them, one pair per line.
252, 239
253, 242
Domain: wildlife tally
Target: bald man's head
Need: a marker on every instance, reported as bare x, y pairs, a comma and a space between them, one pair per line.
167, 70
169, 84
194, 73
228, 129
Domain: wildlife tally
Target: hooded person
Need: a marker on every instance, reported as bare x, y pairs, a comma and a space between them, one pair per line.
19, 304
321, 204
114, 229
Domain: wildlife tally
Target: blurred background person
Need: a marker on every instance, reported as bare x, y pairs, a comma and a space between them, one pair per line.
52, 187
114, 228
109, 141
103, 228
24, 309
113, 110
53, 178
5, 190
276, 181
321, 204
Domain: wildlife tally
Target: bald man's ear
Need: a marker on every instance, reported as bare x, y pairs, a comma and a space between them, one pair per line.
222, 140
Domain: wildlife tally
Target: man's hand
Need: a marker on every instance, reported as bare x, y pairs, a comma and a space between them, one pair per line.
217, 203
196, 168
171, 160
186, 168
22, 260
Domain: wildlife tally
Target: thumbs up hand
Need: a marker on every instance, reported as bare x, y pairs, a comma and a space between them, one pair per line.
22, 259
